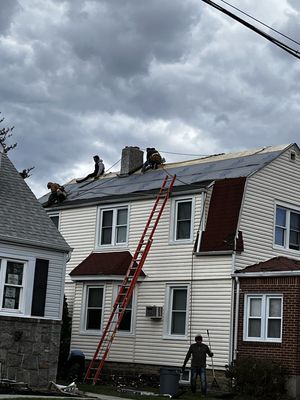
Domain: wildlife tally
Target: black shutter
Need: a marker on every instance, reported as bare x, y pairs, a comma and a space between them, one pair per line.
39, 288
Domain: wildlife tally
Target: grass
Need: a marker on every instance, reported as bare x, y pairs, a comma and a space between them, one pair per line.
114, 391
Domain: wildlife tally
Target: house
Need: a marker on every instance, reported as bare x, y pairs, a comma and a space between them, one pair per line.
33, 257
224, 258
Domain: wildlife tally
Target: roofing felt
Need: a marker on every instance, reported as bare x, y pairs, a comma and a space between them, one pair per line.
112, 263
190, 174
22, 219
223, 215
280, 264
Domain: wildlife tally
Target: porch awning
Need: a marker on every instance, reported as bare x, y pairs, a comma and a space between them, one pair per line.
106, 264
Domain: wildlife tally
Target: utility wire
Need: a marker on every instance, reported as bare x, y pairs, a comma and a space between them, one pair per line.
278, 43
260, 22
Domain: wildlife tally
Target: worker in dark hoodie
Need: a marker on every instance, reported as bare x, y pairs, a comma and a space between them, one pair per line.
198, 352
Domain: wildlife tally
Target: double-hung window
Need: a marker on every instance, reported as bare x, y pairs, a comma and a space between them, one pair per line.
287, 228
263, 318
54, 216
183, 219
126, 325
113, 226
93, 308
11, 285
177, 306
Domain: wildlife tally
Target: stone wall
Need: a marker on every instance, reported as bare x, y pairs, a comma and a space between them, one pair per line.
29, 350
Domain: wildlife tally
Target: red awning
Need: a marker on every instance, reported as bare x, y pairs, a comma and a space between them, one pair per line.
113, 263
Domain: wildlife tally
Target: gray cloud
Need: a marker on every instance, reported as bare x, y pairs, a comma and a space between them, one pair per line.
84, 77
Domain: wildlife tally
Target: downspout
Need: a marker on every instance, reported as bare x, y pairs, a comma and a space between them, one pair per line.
198, 237
236, 322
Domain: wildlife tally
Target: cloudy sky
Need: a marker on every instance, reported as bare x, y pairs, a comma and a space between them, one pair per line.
86, 77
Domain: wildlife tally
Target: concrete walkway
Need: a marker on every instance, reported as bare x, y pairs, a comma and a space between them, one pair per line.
85, 394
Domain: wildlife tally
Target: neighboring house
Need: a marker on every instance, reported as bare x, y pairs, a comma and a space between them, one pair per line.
33, 257
227, 212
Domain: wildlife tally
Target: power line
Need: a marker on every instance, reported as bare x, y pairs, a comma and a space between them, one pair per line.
275, 41
260, 22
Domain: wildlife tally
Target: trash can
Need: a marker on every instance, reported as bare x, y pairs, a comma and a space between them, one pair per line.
169, 381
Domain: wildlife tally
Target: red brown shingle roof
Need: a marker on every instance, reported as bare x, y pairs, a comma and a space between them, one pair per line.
113, 263
223, 215
282, 264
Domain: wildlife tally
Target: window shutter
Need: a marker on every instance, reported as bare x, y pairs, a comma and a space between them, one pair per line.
39, 288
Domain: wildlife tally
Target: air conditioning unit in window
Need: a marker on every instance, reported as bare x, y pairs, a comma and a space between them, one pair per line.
154, 312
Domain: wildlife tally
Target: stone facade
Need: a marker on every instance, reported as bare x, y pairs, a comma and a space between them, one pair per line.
29, 350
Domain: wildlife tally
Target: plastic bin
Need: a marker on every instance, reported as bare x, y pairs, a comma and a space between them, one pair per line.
169, 381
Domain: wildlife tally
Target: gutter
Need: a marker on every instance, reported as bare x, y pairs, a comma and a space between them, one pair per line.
82, 278
30, 243
214, 253
265, 274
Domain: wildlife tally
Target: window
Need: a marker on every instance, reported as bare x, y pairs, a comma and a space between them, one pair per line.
94, 308
113, 226
287, 228
54, 216
11, 285
263, 318
177, 311
183, 211
126, 323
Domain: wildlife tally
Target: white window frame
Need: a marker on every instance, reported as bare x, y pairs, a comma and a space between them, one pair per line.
55, 214
133, 311
168, 314
84, 303
265, 301
289, 208
174, 215
114, 226
27, 284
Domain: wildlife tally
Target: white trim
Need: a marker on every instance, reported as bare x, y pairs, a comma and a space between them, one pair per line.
289, 208
83, 278
114, 208
55, 214
83, 312
116, 288
264, 317
168, 307
173, 221
25, 300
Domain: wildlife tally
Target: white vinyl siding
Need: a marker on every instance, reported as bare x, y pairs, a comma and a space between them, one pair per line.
55, 282
276, 184
263, 318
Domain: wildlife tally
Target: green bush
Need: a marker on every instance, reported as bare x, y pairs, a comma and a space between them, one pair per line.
261, 379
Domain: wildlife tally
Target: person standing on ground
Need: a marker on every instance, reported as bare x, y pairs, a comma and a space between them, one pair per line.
98, 171
198, 352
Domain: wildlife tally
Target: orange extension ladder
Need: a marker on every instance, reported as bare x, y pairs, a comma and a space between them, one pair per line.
129, 282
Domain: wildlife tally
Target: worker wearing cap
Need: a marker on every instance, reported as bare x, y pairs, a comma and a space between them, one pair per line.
198, 352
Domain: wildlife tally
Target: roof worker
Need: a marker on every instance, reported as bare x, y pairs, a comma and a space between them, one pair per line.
98, 171
57, 195
198, 351
153, 159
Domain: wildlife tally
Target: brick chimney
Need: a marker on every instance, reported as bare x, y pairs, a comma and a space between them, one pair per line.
132, 159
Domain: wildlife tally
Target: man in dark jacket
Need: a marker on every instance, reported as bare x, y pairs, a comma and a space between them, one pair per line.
198, 351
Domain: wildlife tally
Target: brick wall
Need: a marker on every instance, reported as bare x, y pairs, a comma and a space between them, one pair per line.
29, 350
287, 352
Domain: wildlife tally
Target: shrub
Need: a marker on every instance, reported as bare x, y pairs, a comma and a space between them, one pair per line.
261, 379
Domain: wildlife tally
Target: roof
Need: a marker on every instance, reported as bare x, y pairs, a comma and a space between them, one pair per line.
112, 263
193, 174
276, 264
223, 215
23, 220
